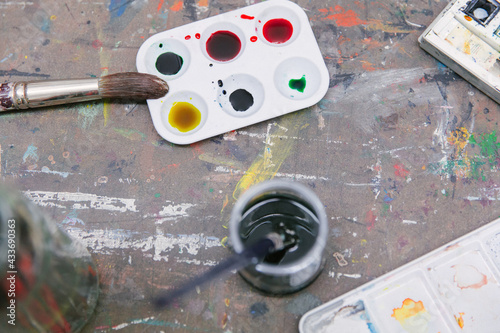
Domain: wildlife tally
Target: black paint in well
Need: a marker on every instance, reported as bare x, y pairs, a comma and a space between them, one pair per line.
241, 100
169, 63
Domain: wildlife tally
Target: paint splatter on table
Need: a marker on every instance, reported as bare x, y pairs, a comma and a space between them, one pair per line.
402, 152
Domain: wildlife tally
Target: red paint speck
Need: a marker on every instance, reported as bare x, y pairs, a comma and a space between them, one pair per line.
96, 44
247, 17
401, 171
187, 37
370, 220
253, 39
197, 36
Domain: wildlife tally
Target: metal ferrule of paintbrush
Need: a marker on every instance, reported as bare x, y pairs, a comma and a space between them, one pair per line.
27, 95
130, 85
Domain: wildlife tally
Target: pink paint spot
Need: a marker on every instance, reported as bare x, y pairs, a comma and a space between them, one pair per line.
247, 17
401, 171
370, 219
402, 242
197, 36
188, 37
96, 44
253, 39
469, 277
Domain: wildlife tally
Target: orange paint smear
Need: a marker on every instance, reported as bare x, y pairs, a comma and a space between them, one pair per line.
409, 309
177, 6
203, 3
159, 6
370, 219
460, 319
341, 40
368, 66
342, 17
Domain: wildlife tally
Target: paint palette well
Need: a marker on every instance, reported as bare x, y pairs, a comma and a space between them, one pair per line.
233, 70
452, 289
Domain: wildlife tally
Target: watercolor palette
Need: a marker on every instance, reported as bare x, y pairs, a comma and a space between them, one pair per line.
452, 289
465, 37
233, 70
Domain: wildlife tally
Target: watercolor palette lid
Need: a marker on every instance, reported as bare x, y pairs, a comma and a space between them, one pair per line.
454, 288
233, 70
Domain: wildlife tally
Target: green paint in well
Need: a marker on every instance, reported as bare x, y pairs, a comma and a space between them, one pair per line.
298, 84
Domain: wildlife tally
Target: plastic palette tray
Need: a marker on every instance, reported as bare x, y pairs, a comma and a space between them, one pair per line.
452, 289
233, 70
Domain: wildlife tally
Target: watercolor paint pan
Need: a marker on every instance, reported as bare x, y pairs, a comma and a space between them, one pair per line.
233, 70
454, 288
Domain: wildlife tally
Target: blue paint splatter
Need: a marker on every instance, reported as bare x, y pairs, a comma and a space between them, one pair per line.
258, 309
117, 7
387, 198
31, 152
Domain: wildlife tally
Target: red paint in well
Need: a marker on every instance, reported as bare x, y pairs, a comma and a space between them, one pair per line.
223, 45
277, 30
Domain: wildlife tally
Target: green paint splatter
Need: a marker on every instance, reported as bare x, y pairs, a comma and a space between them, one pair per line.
488, 144
131, 134
298, 84
385, 210
211, 190
87, 114
157, 195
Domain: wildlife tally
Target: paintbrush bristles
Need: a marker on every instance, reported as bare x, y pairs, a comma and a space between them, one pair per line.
132, 85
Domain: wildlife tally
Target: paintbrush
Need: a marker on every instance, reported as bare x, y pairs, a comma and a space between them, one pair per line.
128, 85
272, 242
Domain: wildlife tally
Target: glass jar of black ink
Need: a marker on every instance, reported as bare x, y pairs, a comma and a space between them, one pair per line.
293, 211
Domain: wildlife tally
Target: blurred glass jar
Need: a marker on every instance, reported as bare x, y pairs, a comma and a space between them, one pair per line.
48, 280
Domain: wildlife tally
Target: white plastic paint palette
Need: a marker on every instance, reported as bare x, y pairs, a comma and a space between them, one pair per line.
233, 70
452, 289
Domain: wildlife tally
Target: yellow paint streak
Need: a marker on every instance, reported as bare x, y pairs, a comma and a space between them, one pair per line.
467, 47
223, 242
104, 59
218, 160
224, 204
275, 153
383, 26
409, 309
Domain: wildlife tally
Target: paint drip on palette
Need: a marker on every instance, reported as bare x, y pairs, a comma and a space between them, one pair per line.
412, 316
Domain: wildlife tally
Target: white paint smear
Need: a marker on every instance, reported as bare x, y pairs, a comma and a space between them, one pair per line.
69, 200
171, 212
111, 241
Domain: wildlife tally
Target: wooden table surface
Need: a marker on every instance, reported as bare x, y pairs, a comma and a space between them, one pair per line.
402, 152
